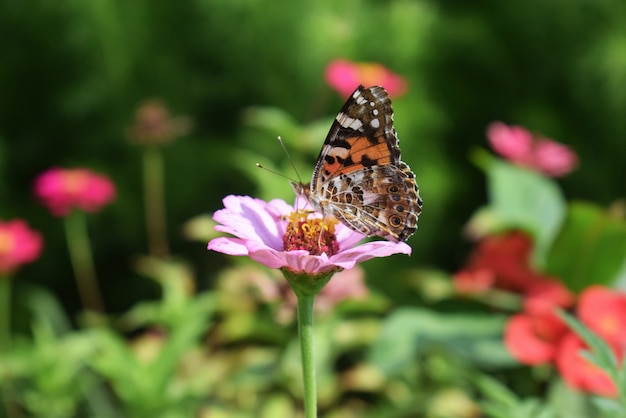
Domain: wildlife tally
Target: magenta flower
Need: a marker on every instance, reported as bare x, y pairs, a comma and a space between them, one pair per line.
279, 236
519, 146
344, 76
62, 190
18, 245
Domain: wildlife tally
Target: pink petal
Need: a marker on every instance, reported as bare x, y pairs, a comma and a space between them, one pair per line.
267, 256
346, 237
342, 75
554, 159
247, 218
512, 142
349, 258
230, 246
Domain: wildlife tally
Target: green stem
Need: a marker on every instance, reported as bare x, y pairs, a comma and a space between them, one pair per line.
8, 393
82, 261
5, 313
154, 201
305, 331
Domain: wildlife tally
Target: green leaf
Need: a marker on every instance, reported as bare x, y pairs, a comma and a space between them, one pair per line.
527, 200
591, 248
503, 403
477, 338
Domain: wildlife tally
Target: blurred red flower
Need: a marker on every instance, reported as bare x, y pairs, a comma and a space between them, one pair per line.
344, 76
62, 190
545, 295
473, 282
578, 372
519, 146
18, 245
533, 337
603, 311
506, 258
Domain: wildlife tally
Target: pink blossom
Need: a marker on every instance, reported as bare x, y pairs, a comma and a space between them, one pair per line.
519, 146
18, 245
344, 76
260, 229
62, 190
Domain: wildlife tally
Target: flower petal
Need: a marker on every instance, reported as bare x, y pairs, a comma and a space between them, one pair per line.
227, 245
247, 218
346, 237
512, 142
554, 159
349, 258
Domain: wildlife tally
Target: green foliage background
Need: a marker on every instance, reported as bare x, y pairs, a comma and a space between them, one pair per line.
73, 72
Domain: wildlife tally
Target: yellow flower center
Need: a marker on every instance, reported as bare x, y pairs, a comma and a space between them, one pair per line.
6, 242
312, 234
75, 181
371, 73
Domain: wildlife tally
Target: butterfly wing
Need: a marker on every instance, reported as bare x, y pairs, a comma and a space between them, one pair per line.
362, 135
359, 177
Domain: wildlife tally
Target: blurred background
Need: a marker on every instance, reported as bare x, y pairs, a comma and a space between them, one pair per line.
239, 73
73, 74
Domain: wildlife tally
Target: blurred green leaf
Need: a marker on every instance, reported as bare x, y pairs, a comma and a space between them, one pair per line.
590, 249
503, 403
474, 337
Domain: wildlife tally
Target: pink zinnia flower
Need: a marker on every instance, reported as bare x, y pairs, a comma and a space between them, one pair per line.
18, 245
519, 146
62, 190
344, 76
277, 235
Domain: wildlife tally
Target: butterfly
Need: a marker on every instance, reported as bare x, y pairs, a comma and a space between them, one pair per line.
359, 177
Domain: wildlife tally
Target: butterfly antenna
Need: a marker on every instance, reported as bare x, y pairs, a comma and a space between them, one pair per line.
274, 172
282, 145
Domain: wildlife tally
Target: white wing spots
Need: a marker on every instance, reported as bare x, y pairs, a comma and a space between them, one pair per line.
375, 123
348, 122
375, 112
336, 151
358, 97
372, 104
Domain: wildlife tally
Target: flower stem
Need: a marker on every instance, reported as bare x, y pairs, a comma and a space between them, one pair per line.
82, 261
305, 331
155, 202
5, 313
7, 393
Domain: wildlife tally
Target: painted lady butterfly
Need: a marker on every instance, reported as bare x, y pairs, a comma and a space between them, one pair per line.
359, 177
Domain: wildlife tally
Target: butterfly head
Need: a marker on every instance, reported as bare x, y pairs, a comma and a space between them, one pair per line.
300, 188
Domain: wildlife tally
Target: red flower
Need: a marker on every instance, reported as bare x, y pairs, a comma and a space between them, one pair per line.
18, 245
473, 282
518, 145
533, 337
62, 190
546, 295
344, 76
507, 258
578, 372
604, 311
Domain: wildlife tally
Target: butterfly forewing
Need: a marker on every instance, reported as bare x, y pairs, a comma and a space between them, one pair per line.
359, 177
